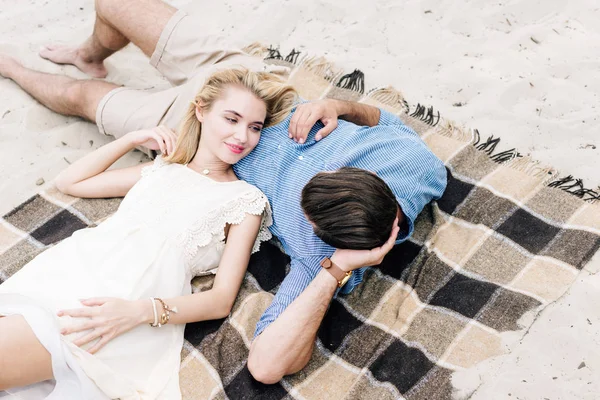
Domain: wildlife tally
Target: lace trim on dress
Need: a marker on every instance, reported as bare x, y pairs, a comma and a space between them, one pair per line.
232, 212
158, 162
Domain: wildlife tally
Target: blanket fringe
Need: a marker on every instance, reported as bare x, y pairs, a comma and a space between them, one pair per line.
353, 81
256, 49
533, 168
455, 131
549, 175
575, 187
389, 96
426, 114
321, 67
293, 56
510, 158
273, 54
490, 145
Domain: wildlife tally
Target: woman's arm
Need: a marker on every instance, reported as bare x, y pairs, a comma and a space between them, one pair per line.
108, 318
218, 301
88, 176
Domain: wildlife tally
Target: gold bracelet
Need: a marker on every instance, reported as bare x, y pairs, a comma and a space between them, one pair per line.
166, 315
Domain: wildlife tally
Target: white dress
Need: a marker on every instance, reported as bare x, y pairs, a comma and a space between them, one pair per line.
168, 229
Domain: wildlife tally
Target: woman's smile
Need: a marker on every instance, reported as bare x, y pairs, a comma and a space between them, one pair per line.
235, 148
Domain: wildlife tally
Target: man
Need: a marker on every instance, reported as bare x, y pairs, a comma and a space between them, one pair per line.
350, 190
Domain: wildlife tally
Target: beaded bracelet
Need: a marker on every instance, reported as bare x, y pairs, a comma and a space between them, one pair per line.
165, 316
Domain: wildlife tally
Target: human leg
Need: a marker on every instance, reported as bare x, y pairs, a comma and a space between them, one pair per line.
59, 93
23, 359
117, 23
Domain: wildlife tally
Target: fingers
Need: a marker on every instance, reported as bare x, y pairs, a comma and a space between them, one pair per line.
298, 129
302, 121
165, 139
306, 126
169, 137
294, 122
85, 312
78, 313
103, 340
85, 339
85, 326
381, 252
325, 131
95, 334
159, 141
393, 235
96, 301
173, 137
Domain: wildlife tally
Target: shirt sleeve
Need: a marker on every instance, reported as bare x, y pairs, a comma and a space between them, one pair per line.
386, 118
302, 272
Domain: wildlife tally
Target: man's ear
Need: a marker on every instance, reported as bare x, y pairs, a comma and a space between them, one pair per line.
199, 113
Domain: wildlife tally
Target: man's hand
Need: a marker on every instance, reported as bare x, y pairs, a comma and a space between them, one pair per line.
306, 115
349, 260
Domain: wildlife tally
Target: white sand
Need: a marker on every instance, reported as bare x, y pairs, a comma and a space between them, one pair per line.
539, 97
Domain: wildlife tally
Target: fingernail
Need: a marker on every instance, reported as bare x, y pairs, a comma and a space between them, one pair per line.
301, 141
317, 138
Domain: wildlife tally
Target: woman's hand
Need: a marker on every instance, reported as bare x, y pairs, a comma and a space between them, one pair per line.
159, 138
106, 318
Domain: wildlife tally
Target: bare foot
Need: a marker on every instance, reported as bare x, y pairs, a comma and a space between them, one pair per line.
70, 55
8, 65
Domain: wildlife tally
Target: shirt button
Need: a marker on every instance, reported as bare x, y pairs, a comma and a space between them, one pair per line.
279, 147
300, 158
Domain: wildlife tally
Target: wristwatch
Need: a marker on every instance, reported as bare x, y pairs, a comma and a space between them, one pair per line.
340, 275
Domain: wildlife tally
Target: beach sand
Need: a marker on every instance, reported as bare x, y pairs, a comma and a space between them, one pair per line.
524, 70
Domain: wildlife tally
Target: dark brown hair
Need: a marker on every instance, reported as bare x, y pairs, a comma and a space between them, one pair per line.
350, 208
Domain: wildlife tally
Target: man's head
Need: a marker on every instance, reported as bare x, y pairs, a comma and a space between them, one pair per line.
350, 208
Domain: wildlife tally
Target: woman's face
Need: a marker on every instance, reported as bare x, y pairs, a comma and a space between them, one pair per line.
231, 128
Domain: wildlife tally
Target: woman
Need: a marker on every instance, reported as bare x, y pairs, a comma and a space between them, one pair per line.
184, 215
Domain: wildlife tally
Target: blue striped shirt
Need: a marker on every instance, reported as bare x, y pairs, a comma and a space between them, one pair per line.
281, 167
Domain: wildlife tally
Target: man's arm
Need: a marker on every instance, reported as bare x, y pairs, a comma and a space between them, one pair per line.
357, 113
328, 111
286, 345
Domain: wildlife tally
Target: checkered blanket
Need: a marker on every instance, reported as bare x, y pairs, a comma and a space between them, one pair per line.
503, 241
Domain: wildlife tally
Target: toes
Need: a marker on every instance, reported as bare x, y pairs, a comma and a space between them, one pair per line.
48, 49
53, 47
45, 51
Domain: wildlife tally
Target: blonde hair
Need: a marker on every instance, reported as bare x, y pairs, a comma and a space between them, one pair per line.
278, 97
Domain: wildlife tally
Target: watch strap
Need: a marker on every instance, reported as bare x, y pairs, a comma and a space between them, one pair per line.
339, 274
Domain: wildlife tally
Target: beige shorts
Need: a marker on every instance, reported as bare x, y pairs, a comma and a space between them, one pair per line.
185, 58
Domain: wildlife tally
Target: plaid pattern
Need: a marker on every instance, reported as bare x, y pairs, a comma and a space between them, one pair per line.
499, 244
